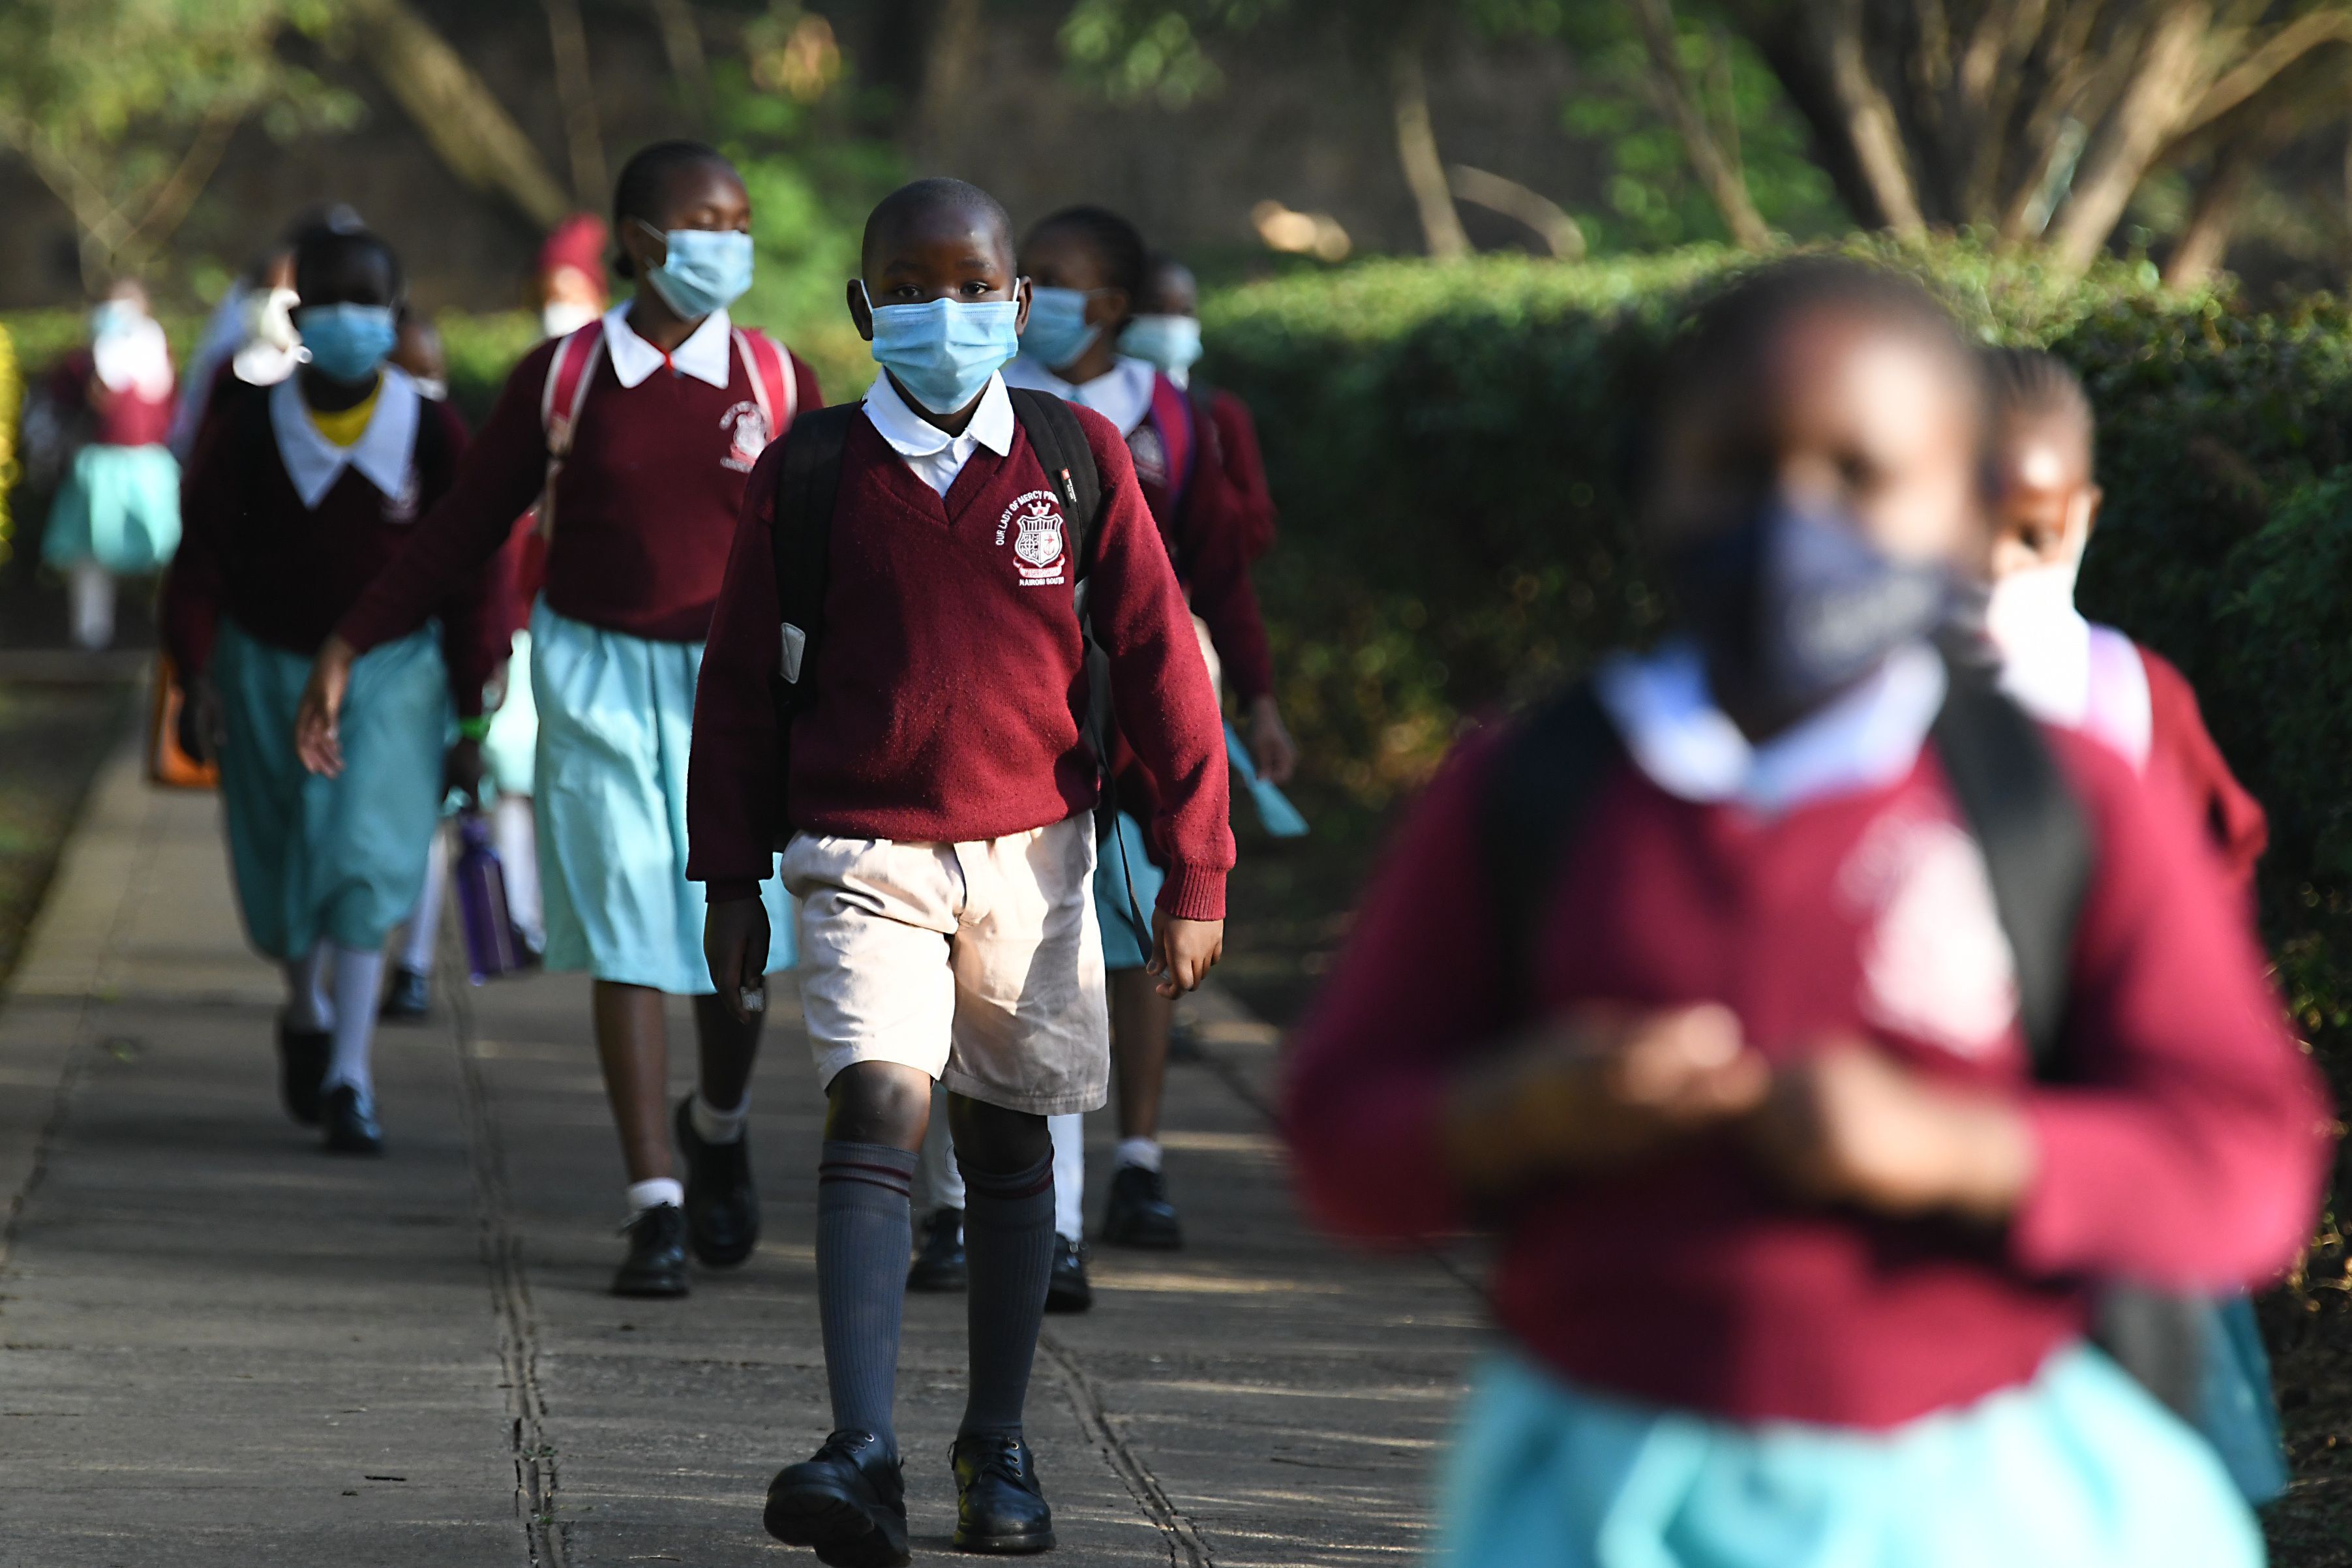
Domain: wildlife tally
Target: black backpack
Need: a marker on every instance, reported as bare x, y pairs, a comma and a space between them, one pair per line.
2037, 847
809, 486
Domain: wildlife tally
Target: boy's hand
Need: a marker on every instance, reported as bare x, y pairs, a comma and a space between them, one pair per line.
1599, 1087
1850, 1125
1182, 953
316, 740
200, 722
735, 945
462, 770
1272, 750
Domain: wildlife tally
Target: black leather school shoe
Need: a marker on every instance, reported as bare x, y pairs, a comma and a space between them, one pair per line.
1139, 1214
352, 1126
655, 1265
408, 999
301, 1071
722, 1207
1068, 1289
940, 1262
847, 1502
1000, 1506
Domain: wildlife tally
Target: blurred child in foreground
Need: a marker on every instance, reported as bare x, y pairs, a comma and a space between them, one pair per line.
1796, 1239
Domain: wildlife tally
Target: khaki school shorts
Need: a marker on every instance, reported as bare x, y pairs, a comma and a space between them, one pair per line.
979, 963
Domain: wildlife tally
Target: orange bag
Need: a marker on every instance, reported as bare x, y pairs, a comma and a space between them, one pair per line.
167, 765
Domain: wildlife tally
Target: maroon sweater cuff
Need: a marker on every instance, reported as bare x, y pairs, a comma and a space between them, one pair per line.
728, 889
1193, 893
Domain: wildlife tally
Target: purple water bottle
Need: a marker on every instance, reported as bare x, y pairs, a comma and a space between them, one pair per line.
481, 887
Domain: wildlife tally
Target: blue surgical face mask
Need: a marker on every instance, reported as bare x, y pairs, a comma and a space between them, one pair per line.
1172, 343
942, 352
112, 317
1058, 331
347, 342
707, 269
1793, 604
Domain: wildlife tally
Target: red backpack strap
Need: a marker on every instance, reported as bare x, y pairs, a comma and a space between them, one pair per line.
1172, 412
773, 386
569, 371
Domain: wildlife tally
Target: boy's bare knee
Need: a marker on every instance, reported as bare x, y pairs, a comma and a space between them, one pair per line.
994, 1140
878, 1102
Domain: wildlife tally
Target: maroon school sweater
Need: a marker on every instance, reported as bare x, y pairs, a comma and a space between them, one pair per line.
644, 509
951, 666
1245, 469
2187, 1154
249, 548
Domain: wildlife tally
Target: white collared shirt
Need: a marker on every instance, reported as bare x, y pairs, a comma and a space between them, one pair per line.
707, 354
1122, 394
935, 457
384, 454
1869, 738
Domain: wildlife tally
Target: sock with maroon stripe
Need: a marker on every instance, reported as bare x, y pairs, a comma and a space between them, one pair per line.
1008, 1238
863, 1225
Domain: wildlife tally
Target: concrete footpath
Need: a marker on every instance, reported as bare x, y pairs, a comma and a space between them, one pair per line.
220, 1346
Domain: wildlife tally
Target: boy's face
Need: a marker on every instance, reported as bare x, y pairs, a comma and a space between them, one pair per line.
942, 251
2048, 503
418, 351
1170, 292
1837, 413
353, 275
1063, 258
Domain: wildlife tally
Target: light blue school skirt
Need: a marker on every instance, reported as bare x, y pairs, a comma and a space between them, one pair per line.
511, 750
1122, 867
344, 857
2079, 1468
119, 506
616, 728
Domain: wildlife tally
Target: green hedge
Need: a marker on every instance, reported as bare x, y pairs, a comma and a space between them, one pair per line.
1445, 442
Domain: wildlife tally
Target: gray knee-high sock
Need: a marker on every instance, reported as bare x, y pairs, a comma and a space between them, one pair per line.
863, 1226
1008, 1238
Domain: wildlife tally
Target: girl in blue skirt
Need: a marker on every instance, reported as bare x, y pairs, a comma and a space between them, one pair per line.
298, 496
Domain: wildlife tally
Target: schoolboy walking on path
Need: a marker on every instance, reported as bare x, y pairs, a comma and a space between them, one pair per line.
635, 436
299, 496
938, 790
1816, 1029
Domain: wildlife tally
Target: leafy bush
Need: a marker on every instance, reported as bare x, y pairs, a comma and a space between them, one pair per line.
1448, 443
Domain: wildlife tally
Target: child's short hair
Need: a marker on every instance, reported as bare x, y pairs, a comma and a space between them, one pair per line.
2034, 383
323, 250
934, 191
1723, 328
1126, 258
637, 193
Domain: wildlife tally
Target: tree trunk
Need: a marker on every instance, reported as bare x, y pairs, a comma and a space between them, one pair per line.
2204, 243
1424, 170
1678, 97
681, 39
1869, 120
575, 91
2164, 89
950, 65
470, 132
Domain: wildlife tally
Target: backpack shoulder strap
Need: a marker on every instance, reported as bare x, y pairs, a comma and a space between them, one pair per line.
1179, 436
1535, 803
2035, 839
807, 489
568, 371
1060, 442
773, 386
